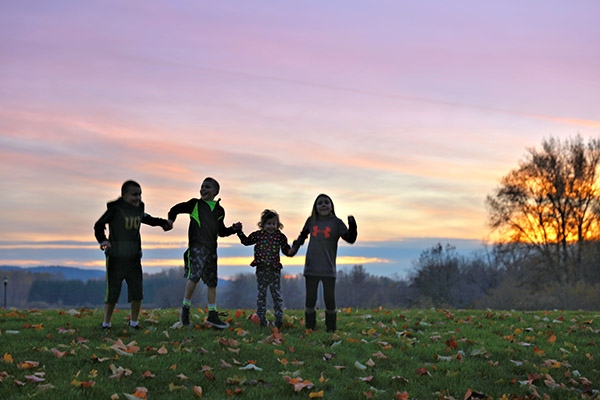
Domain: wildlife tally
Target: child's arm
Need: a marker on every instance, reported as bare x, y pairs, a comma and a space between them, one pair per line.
181, 208
247, 240
228, 231
99, 229
285, 247
153, 221
301, 239
352, 233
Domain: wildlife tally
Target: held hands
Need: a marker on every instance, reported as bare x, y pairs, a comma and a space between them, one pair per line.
104, 245
292, 251
351, 219
167, 225
237, 227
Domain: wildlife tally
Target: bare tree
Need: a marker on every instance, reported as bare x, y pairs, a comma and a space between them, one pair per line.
551, 203
437, 274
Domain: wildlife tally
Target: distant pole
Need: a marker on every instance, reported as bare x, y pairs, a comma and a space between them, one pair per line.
5, 285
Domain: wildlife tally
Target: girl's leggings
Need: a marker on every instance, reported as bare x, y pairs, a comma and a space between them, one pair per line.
312, 286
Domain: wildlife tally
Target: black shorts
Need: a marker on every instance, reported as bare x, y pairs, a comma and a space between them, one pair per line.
118, 270
201, 263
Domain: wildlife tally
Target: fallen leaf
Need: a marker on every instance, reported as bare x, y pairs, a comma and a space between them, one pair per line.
359, 365
58, 353
148, 374
173, 387
28, 364
45, 387
198, 391
380, 355
316, 394
34, 379
236, 391
251, 366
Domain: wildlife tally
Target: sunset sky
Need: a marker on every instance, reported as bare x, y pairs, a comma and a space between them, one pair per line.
407, 113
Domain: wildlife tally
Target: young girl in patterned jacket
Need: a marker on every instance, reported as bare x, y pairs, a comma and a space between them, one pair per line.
268, 241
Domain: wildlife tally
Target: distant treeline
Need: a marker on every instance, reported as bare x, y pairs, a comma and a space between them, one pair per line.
501, 277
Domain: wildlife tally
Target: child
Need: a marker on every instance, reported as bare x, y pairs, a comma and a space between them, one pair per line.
325, 229
268, 241
200, 259
123, 249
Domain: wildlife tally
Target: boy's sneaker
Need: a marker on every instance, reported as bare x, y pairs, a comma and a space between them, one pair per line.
105, 327
214, 320
137, 327
264, 322
184, 316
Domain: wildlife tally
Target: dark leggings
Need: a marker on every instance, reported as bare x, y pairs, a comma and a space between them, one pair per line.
312, 286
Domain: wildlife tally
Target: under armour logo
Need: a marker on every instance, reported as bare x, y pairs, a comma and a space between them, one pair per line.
316, 231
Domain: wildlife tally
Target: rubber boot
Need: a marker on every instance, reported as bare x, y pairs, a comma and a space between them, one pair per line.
331, 321
310, 320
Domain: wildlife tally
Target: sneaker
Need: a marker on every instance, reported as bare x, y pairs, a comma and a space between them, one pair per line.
184, 316
137, 327
214, 320
105, 327
264, 322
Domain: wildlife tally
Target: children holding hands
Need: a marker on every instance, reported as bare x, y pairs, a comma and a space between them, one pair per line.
123, 253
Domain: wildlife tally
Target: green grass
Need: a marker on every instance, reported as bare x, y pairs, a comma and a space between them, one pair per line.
383, 354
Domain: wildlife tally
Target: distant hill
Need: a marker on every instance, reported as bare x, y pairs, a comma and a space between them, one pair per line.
72, 273
64, 272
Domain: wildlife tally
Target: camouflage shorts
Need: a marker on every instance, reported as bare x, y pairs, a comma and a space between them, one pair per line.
201, 263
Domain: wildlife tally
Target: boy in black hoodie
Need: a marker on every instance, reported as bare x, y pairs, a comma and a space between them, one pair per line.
123, 249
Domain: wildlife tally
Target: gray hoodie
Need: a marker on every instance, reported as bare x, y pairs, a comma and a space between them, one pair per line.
322, 246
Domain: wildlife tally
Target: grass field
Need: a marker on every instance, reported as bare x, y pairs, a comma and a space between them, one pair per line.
381, 354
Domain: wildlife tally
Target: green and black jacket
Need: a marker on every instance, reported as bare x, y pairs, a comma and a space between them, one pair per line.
124, 221
206, 221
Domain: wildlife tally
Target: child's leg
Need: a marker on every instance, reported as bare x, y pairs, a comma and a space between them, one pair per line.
330, 310
136, 306
108, 312
262, 285
329, 293
190, 286
211, 295
135, 292
114, 281
312, 284
275, 288
310, 314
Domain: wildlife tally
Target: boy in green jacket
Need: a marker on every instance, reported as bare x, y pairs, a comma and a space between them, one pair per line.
200, 259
